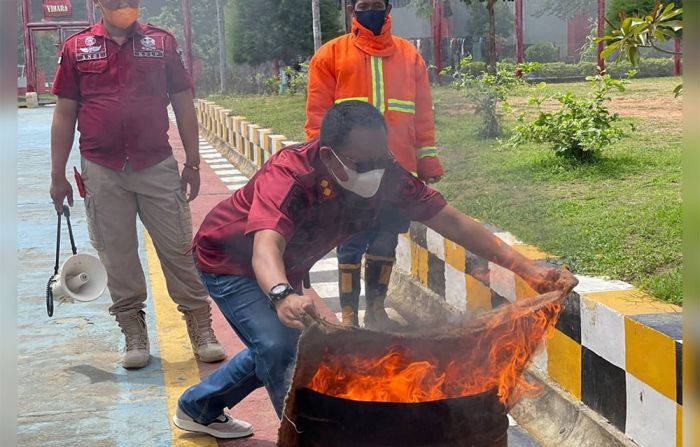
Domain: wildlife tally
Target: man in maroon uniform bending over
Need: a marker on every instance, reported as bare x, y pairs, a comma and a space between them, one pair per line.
254, 248
116, 79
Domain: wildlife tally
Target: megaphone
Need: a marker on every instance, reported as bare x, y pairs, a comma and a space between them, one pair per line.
81, 278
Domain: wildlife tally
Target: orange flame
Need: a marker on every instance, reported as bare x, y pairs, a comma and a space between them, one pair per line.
498, 353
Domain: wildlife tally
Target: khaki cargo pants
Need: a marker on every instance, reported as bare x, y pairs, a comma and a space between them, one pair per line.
113, 200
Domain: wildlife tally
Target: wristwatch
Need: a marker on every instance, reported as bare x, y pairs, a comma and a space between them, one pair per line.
280, 292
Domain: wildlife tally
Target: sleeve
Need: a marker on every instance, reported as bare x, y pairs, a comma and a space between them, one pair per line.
178, 77
277, 202
426, 152
66, 83
417, 200
320, 92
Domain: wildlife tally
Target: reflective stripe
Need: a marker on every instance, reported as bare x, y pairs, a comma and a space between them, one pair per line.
398, 105
429, 151
377, 69
357, 98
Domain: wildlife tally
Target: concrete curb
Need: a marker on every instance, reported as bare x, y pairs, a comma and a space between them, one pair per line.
556, 419
247, 167
552, 416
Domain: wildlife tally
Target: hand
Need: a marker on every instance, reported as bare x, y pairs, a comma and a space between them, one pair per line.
189, 177
432, 180
547, 279
61, 190
294, 311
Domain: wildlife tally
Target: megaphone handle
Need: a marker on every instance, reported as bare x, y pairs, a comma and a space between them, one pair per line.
66, 212
58, 245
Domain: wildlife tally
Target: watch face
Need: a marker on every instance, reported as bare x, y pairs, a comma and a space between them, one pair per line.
278, 289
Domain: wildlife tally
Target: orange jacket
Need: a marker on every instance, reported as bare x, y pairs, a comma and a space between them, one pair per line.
389, 73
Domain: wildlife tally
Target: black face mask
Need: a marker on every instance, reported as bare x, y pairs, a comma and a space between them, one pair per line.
372, 20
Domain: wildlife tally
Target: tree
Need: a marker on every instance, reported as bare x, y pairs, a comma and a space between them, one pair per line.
632, 8
644, 31
490, 18
221, 33
205, 43
316, 14
277, 30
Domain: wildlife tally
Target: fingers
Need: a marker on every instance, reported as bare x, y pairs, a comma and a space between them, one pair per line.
70, 197
183, 186
194, 191
309, 308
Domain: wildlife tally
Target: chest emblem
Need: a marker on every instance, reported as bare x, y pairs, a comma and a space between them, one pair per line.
327, 191
149, 46
88, 48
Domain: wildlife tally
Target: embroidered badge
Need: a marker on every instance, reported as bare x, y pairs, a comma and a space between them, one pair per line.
327, 191
89, 48
149, 46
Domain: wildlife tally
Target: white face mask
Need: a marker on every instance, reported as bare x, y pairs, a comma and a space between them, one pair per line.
365, 184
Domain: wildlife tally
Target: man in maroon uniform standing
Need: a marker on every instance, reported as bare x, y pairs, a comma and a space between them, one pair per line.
116, 79
254, 248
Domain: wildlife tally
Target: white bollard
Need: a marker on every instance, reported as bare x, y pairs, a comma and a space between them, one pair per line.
32, 100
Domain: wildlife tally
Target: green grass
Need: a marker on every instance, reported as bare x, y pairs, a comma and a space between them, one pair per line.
618, 217
284, 114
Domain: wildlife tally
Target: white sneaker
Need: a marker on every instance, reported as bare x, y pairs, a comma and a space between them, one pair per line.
225, 426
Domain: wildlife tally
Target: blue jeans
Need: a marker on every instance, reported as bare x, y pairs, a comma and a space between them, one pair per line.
267, 360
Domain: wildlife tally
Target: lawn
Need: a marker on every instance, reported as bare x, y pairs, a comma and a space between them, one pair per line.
619, 217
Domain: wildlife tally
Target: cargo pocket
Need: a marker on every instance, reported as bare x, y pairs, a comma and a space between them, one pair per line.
94, 230
184, 220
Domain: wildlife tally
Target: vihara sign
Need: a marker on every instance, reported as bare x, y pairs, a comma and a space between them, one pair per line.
57, 8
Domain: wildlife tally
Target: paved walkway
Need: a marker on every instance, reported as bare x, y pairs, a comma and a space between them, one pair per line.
71, 387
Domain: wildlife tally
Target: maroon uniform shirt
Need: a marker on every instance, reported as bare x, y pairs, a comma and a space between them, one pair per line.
123, 93
294, 195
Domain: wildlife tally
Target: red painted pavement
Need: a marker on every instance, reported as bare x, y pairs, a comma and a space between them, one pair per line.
256, 408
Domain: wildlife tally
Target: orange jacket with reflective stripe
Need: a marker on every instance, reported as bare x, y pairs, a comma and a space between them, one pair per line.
389, 73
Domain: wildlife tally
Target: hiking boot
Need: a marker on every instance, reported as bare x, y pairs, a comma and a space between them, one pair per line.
377, 275
349, 288
204, 343
136, 350
224, 426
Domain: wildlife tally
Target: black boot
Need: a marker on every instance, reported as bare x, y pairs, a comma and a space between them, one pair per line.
349, 287
377, 275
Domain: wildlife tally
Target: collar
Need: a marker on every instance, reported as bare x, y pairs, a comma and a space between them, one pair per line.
99, 30
382, 45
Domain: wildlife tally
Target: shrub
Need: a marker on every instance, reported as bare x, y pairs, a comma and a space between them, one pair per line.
649, 67
485, 91
581, 128
542, 52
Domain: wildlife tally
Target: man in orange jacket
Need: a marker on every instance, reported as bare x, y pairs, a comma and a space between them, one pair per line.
369, 64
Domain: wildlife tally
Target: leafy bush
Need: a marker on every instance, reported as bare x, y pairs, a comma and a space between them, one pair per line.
542, 52
581, 128
485, 91
650, 67
561, 71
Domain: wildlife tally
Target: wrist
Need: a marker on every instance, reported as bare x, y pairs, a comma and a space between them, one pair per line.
194, 160
191, 166
58, 177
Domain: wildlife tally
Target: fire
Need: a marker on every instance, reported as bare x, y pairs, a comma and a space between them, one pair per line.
488, 355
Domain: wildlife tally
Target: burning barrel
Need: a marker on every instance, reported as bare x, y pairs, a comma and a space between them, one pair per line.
447, 388
474, 421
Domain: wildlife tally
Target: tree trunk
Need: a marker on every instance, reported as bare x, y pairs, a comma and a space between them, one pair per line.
492, 36
223, 72
316, 14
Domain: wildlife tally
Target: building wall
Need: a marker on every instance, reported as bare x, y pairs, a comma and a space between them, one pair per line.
536, 29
